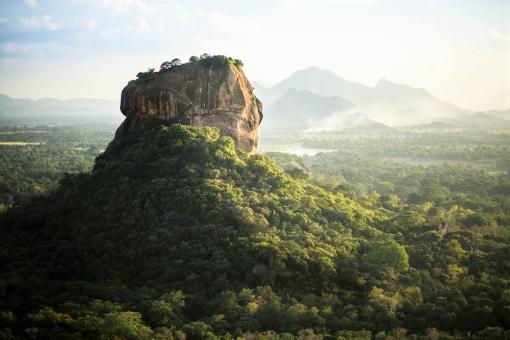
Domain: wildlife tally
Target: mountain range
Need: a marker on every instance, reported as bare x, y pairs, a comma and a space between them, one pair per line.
56, 110
309, 99
311, 95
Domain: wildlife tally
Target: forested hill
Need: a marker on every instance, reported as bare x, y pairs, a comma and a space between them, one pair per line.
179, 234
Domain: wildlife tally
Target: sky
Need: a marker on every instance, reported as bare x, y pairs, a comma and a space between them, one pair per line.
457, 50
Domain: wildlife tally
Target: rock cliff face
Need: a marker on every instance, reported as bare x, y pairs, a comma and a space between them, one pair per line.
193, 94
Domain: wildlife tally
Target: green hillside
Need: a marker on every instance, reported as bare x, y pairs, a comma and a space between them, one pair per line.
179, 234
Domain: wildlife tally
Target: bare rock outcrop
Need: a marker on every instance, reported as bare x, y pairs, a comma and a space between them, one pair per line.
198, 94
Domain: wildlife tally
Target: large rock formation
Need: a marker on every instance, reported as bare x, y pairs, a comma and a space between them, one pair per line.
211, 93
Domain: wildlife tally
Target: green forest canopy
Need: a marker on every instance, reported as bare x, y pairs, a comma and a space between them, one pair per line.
180, 233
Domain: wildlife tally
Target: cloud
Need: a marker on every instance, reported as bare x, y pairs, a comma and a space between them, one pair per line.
292, 3
500, 36
31, 3
160, 20
3, 20
130, 16
127, 6
110, 33
88, 24
45, 22
25, 49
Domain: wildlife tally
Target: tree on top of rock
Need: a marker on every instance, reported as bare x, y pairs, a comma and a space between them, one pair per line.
169, 64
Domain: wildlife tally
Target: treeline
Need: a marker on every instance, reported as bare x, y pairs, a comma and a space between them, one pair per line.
205, 60
444, 145
28, 170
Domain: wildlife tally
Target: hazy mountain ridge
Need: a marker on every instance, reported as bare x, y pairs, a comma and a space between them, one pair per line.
304, 106
313, 112
307, 99
50, 107
399, 105
318, 81
387, 103
505, 114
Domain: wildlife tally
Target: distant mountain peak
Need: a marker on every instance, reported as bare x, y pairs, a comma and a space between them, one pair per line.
389, 89
385, 83
302, 94
388, 102
314, 70
59, 110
